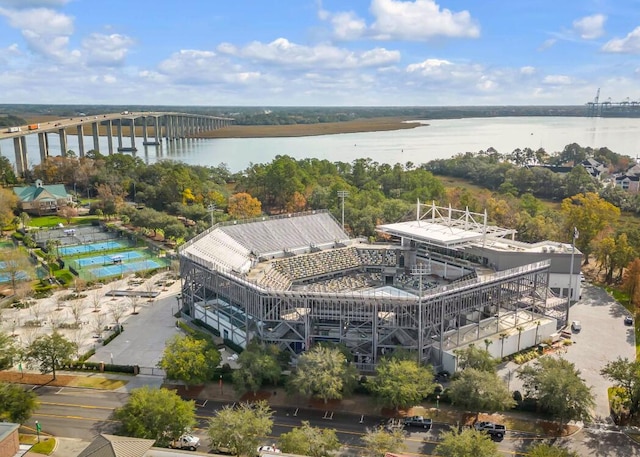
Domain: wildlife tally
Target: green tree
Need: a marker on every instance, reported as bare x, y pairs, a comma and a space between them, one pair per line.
16, 266
549, 450
478, 390
8, 203
631, 282
401, 383
49, 351
8, 351
590, 214
258, 365
308, 440
323, 373
625, 374
378, 442
557, 386
190, 360
475, 357
16, 404
467, 443
157, 414
240, 430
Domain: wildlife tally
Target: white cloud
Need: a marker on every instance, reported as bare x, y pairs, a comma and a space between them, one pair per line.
32, 3
547, 44
629, 44
419, 20
106, 49
411, 20
590, 27
557, 80
46, 31
284, 53
528, 70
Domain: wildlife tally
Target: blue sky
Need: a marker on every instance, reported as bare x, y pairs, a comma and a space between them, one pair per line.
319, 52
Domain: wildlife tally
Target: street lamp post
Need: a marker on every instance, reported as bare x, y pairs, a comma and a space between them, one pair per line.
437, 405
211, 208
342, 194
573, 252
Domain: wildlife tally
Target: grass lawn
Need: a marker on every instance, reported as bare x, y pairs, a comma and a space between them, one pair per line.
53, 221
45, 446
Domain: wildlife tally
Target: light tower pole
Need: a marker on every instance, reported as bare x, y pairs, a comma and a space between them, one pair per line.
211, 208
573, 252
342, 194
420, 270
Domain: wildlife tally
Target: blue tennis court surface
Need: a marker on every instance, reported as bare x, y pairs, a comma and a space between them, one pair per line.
92, 247
107, 259
122, 268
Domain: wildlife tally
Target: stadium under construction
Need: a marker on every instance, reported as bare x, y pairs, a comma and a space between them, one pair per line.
439, 282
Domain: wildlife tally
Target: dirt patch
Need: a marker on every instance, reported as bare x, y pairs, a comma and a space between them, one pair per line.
259, 396
61, 380
190, 392
330, 405
396, 413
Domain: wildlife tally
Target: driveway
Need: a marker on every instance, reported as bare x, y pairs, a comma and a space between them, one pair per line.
603, 338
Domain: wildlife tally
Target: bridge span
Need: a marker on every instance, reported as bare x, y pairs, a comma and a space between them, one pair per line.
154, 126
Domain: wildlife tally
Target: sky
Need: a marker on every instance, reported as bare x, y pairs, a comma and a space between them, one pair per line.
319, 52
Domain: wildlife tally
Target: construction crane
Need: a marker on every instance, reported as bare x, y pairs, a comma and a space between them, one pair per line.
594, 106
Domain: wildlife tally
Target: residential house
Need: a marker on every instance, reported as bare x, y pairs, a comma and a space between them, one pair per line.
9, 442
40, 199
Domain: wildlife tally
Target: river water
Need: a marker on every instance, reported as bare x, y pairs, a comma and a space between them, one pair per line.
434, 140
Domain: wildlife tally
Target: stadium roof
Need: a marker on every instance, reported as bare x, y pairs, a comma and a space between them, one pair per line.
446, 227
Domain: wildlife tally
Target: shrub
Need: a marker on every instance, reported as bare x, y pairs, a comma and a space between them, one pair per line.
112, 336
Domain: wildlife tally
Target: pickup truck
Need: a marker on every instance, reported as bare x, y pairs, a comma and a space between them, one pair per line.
417, 421
493, 429
189, 442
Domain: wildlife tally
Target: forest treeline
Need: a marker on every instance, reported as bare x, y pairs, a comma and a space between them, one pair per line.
514, 194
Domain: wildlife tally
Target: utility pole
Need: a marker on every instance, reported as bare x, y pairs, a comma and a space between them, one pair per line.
420, 270
573, 252
342, 194
211, 208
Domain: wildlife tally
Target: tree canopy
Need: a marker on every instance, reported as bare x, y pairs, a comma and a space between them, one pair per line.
49, 351
324, 373
467, 443
401, 383
559, 389
625, 374
257, 366
8, 351
241, 429
16, 404
480, 391
548, 450
378, 442
158, 414
308, 440
475, 357
189, 359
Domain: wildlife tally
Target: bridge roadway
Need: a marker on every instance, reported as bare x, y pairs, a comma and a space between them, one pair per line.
168, 125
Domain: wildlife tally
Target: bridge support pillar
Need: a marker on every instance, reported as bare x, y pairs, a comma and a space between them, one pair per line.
145, 133
96, 136
132, 133
156, 129
62, 133
20, 148
80, 140
43, 142
119, 131
109, 126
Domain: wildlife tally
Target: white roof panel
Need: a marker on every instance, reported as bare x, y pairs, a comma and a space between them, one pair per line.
439, 234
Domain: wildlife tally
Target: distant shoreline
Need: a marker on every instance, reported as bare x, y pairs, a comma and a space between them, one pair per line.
300, 130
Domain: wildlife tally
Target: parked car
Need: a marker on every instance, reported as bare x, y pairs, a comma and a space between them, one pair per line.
186, 441
576, 326
268, 448
417, 421
628, 320
495, 430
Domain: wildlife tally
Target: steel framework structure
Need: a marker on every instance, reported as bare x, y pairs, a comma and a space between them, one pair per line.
369, 324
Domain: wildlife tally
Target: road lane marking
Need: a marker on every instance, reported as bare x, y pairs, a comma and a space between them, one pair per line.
62, 416
74, 405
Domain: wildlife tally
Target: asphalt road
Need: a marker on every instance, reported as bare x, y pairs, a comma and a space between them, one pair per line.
84, 413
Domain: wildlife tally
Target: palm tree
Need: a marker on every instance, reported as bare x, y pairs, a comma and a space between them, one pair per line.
487, 342
503, 336
520, 329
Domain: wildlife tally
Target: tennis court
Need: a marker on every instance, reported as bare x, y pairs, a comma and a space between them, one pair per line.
106, 259
122, 268
91, 247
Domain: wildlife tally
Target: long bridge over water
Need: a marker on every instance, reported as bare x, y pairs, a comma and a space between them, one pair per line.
154, 125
